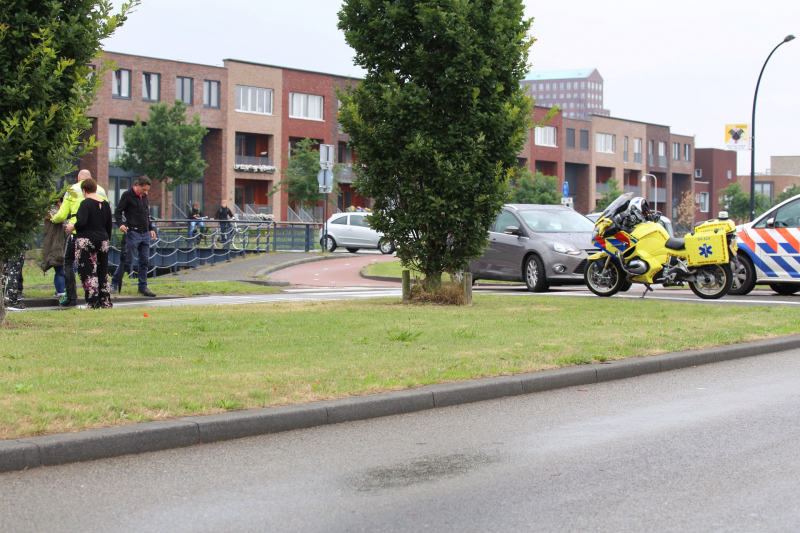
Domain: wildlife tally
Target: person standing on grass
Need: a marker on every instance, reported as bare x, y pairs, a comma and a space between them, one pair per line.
138, 229
93, 231
66, 214
224, 215
53, 250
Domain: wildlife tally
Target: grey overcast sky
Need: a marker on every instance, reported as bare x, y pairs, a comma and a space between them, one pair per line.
689, 64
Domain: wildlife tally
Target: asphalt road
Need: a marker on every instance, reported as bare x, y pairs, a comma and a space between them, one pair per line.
711, 448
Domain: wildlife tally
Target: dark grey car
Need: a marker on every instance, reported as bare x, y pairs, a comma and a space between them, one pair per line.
542, 245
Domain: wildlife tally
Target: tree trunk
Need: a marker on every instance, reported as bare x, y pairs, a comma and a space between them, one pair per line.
433, 281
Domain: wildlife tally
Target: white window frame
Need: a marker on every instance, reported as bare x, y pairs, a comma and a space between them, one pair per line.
704, 202
546, 136
246, 95
302, 105
730, 174
605, 143
662, 149
637, 145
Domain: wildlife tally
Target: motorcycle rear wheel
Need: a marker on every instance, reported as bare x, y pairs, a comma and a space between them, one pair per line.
604, 281
719, 287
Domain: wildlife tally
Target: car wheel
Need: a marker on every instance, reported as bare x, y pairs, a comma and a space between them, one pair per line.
714, 281
353, 250
330, 244
386, 247
744, 276
785, 289
534, 275
604, 279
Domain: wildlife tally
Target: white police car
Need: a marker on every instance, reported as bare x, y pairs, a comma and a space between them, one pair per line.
769, 251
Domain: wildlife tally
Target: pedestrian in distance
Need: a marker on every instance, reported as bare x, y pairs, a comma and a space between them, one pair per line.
66, 214
92, 242
53, 250
224, 215
139, 231
195, 217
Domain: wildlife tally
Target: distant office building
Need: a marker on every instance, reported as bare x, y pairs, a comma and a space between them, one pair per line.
784, 172
578, 93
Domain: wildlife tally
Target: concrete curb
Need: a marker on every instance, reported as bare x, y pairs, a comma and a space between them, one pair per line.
53, 302
22, 454
288, 264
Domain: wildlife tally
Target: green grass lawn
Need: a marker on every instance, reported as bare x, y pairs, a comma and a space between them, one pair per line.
70, 370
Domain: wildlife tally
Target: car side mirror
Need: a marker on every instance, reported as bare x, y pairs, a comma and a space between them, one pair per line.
513, 230
771, 223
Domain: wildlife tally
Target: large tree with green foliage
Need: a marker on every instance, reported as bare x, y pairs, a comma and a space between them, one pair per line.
610, 195
535, 189
46, 89
166, 148
787, 193
737, 202
438, 120
299, 174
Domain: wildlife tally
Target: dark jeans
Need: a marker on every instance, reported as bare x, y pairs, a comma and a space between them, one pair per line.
69, 269
116, 279
225, 233
137, 244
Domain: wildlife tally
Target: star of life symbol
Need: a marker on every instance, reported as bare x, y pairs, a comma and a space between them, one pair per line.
705, 250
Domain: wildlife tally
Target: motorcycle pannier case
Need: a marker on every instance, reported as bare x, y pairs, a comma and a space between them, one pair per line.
707, 248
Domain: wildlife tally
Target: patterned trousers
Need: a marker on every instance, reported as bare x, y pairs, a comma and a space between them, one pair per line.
93, 271
14, 283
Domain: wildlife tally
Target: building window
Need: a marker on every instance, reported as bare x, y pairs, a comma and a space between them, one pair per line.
570, 137
764, 188
637, 151
730, 173
541, 86
210, 93
546, 136
625, 149
116, 141
584, 139
548, 86
183, 90
605, 142
254, 100
121, 86
151, 83
562, 86
569, 86
306, 106
704, 202
676, 151
687, 152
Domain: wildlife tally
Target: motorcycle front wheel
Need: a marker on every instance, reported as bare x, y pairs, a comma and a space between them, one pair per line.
715, 281
604, 280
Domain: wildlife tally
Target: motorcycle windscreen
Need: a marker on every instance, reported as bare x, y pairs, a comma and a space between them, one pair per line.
618, 205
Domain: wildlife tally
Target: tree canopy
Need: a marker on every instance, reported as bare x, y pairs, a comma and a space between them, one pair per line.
46, 89
299, 174
610, 195
737, 202
438, 120
787, 193
166, 148
535, 189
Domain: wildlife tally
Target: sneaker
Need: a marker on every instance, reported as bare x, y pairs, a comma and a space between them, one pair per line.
64, 302
113, 289
60, 295
16, 306
148, 293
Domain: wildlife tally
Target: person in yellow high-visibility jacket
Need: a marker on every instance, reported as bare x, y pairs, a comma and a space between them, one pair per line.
67, 214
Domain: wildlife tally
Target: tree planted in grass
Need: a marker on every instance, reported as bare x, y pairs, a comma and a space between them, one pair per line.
299, 176
166, 148
610, 195
737, 202
46, 89
535, 189
437, 122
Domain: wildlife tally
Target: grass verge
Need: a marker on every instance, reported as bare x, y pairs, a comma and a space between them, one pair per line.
174, 288
70, 370
393, 269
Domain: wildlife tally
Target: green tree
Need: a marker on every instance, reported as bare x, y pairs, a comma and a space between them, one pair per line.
787, 193
535, 189
737, 202
437, 121
299, 175
610, 195
166, 148
46, 89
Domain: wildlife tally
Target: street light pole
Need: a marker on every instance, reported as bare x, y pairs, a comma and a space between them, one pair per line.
753, 134
655, 189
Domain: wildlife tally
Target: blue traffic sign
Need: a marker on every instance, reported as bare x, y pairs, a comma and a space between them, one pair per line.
565, 189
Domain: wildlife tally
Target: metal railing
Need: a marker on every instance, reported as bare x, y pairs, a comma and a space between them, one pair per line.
625, 156
253, 160
637, 158
650, 159
113, 154
662, 161
346, 175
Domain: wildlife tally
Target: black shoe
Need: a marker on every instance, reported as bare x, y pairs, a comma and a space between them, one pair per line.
64, 302
148, 293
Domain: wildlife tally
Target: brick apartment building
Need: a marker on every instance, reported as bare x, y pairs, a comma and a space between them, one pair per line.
587, 153
715, 169
784, 172
254, 114
577, 92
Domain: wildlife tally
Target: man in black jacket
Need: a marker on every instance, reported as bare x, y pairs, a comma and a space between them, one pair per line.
224, 215
138, 230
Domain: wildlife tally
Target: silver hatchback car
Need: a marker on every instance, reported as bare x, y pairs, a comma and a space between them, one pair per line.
352, 231
542, 245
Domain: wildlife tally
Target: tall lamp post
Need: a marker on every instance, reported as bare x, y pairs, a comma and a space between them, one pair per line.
655, 189
753, 134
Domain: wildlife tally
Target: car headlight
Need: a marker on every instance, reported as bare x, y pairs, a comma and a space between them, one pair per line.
563, 248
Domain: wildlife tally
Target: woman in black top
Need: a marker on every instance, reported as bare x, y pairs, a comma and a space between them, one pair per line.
93, 230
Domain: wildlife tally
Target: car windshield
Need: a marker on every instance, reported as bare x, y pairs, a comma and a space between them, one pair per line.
618, 205
556, 221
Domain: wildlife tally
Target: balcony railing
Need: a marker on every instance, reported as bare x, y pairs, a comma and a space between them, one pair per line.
625, 156
113, 154
346, 175
650, 159
637, 158
662, 161
252, 160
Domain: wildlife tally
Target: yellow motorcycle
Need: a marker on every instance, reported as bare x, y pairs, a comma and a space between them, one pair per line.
637, 249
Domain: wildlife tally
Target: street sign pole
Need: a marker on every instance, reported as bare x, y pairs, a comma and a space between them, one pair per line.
325, 179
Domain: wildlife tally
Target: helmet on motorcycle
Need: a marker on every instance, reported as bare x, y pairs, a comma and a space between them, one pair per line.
639, 209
